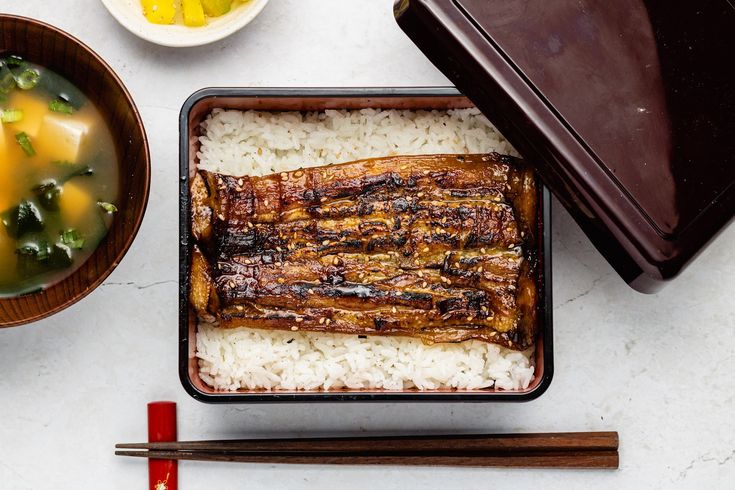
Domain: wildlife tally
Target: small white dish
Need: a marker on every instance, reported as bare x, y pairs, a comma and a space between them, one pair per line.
130, 14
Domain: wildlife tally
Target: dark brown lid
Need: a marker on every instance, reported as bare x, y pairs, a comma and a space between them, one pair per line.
627, 108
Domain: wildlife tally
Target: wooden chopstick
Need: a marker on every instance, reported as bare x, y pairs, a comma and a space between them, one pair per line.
563, 450
542, 459
470, 442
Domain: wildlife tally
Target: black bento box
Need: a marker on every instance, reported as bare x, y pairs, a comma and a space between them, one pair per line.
193, 112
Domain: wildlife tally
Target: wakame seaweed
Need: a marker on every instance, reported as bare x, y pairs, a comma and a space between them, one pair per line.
59, 88
49, 191
48, 194
36, 256
22, 219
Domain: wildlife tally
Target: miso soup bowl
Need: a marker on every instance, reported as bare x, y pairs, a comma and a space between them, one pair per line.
52, 48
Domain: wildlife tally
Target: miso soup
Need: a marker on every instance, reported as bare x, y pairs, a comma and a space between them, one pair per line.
58, 177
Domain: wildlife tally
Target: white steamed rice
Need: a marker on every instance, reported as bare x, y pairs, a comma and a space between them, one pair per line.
259, 143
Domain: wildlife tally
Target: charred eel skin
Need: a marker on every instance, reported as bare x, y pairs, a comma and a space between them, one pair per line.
437, 247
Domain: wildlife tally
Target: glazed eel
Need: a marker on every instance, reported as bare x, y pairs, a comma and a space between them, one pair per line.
438, 247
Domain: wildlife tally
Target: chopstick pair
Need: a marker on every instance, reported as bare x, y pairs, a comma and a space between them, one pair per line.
544, 450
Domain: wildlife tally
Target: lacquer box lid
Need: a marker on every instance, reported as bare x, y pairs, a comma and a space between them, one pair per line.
627, 108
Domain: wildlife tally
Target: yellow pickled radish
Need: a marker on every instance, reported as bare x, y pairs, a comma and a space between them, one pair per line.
159, 11
193, 13
215, 8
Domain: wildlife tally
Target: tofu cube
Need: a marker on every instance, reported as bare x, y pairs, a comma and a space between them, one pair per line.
5, 162
74, 203
34, 109
61, 137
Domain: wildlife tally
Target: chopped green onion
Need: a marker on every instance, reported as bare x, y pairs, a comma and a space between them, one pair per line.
108, 207
11, 115
58, 105
72, 239
62, 163
27, 79
25, 142
7, 80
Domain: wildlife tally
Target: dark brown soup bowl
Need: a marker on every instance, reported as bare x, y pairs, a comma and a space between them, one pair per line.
62, 53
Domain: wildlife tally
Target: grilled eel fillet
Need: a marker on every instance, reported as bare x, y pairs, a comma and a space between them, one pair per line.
423, 246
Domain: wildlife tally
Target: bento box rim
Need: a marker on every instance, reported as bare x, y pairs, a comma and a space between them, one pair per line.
346, 396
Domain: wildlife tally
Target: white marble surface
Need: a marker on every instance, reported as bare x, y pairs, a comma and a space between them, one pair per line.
656, 368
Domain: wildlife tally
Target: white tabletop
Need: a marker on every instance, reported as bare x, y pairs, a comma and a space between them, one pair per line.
658, 369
